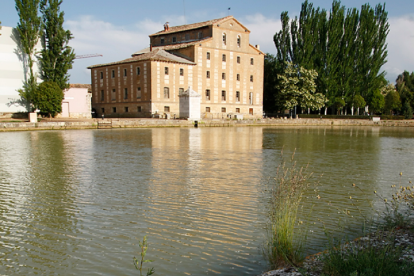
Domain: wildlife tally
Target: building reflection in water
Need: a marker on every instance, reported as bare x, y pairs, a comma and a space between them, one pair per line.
205, 192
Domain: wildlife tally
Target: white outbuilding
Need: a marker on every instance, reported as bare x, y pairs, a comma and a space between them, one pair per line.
190, 102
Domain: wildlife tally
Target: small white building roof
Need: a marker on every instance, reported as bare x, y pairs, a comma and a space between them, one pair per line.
189, 93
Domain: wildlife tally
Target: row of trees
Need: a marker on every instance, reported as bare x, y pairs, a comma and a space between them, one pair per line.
55, 58
346, 49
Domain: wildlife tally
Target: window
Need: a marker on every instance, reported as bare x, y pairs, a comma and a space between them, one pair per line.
125, 93
238, 41
166, 93
166, 109
166, 70
101, 75
208, 74
180, 91
200, 35
238, 60
187, 36
251, 78
138, 71
174, 39
223, 95
237, 96
223, 110
113, 109
252, 61
113, 74
208, 94
103, 110
208, 109
223, 58
251, 98
102, 95
224, 39
139, 109
113, 98
162, 40
238, 77
208, 55
139, 95
181, 72
126, 109
125, 72
223, 76
237, 110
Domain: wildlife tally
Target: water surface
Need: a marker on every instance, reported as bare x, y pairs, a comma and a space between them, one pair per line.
78, 202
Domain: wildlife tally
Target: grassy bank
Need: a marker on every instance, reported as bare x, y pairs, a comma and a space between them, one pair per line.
388, 236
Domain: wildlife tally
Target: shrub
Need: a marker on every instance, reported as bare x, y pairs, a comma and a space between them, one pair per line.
47, 97
285, 245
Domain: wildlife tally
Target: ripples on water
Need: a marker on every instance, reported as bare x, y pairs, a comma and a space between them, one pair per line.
78, 202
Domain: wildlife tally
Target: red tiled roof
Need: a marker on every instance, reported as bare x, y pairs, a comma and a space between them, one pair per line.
191, 26
155, 55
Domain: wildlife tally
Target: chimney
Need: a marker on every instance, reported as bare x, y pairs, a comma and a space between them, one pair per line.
166, 26
258, 47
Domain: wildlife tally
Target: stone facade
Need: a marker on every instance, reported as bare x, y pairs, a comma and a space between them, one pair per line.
214, 57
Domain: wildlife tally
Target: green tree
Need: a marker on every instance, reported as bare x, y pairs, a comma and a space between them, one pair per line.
392, 102
358, 102
297, 86
405, 87
47, 97
56, 57
28, 28
347, 48
338, 103
377, 102
407, 111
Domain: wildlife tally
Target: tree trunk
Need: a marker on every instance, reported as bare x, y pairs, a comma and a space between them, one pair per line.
352, 110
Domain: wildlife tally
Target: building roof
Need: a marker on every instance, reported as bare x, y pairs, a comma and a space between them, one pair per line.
155, 55
189, 93
79, 85
192, 26
143, 51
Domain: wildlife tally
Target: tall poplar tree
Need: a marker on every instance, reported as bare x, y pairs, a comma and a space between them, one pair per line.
28, 28
57, 56
347, 48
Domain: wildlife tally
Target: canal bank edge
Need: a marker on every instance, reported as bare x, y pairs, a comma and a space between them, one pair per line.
150, 123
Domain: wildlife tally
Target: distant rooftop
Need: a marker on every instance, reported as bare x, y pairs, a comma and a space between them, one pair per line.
155, 55
191, 26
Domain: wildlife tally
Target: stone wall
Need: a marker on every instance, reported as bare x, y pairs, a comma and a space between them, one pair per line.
143, 123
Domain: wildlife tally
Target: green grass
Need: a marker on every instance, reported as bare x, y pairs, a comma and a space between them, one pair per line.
366, 259
287, 237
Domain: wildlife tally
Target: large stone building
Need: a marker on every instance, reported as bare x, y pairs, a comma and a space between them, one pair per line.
214, 58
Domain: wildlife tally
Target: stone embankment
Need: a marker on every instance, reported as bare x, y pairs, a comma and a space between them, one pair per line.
56, 124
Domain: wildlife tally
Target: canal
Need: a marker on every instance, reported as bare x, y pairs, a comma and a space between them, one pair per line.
79, 202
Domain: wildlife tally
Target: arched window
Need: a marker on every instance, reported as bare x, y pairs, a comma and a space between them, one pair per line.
224, 38
238, 41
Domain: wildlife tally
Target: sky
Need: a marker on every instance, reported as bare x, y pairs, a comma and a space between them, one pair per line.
117, 29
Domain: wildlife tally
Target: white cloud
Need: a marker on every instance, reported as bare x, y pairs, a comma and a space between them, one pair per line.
114, 42
262, 31
400, 46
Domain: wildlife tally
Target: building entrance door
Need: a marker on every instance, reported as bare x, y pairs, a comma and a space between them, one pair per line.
251, 111
65, 110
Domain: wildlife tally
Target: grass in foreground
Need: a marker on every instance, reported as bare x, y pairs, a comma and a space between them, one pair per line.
284, 246
369, 259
